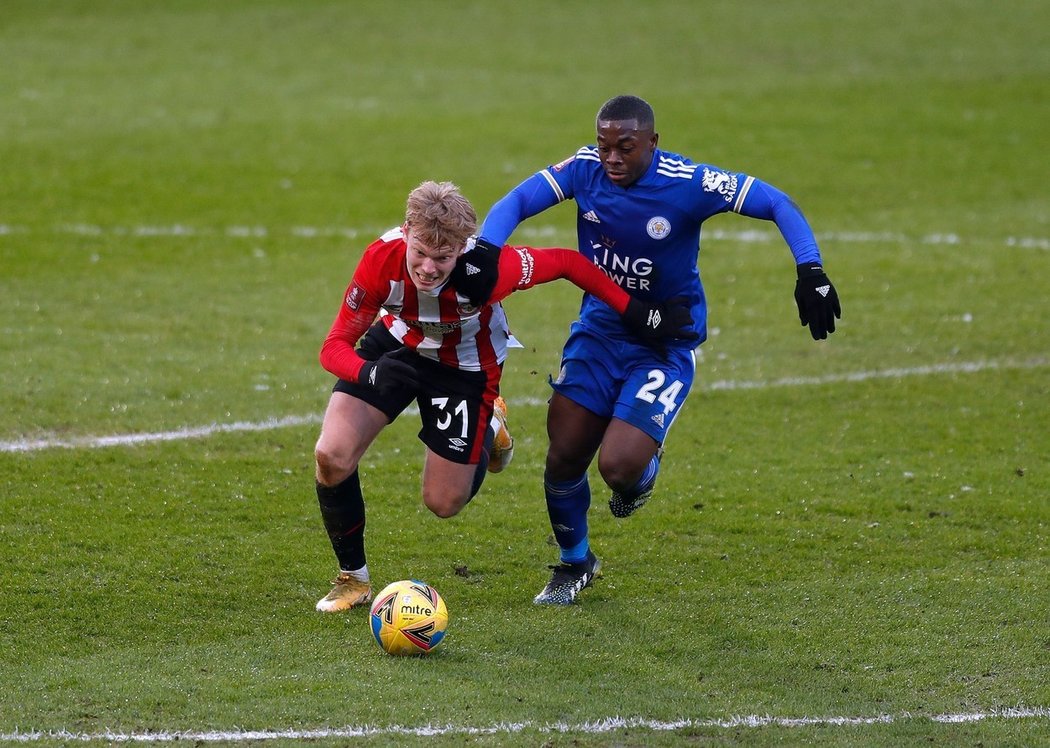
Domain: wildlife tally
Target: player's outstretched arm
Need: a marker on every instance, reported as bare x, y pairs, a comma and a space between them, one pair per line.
525, 267
816, 297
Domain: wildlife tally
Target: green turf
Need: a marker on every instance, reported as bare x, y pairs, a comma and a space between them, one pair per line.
184, 190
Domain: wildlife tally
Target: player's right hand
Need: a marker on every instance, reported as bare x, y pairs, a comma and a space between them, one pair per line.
391, 371
656, 322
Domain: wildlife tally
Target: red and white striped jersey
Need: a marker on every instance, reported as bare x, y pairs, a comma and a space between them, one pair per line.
441, 324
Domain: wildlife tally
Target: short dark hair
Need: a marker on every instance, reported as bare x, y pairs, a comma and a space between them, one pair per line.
628, 107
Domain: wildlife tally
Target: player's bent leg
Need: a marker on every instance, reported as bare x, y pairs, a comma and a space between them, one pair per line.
625, 503
447, 486
628, 462
625, 453
649, 401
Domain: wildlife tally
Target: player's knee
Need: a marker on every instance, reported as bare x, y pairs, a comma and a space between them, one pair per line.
447, 508
331, 468
444, 503
620, 475
559, 468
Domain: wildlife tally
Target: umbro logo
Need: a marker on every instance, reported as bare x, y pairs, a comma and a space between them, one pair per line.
472, 269
591, 216
654, 318
823, 290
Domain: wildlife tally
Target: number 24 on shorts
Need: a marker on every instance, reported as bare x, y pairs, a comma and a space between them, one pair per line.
666, 396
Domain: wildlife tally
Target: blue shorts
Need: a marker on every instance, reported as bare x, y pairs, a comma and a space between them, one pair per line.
625, 380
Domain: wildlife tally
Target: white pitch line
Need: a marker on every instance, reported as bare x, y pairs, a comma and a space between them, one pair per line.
597, 727
962, 367
181, 230
124, 440
270, 424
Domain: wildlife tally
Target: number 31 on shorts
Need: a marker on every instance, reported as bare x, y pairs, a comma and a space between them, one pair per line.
654, 391
441, 403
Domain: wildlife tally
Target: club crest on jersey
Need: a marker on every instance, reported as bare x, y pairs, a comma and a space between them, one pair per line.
466, 309
658, 227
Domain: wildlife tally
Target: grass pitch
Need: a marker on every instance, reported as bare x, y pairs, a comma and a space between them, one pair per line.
853, 533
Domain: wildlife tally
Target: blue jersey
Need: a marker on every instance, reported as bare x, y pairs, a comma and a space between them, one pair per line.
646, 236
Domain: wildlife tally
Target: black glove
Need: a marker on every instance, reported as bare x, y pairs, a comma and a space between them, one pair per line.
391, 371
476, 271
657, 322
818, 303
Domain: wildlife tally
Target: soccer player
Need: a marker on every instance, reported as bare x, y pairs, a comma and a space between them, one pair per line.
432, 345
639, 213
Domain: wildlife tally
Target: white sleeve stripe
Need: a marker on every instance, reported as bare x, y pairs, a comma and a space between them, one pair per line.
742, 194
554, 185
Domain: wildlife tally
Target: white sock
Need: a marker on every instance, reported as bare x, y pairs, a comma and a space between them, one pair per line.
361, 575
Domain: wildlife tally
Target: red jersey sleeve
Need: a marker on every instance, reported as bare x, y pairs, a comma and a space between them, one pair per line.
357, 312
521, 268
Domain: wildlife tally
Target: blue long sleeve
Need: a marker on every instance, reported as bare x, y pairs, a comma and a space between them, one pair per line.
768, 203
532, 196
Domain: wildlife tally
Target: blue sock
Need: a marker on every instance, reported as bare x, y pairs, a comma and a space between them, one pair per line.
567, 505
648, 479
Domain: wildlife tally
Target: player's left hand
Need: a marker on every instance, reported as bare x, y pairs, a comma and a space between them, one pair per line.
476, 271
817, 300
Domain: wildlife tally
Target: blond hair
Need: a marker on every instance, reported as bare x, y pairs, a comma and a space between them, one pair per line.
439, 216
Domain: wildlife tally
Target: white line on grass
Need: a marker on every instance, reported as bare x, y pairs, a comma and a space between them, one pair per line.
198, 432
124, 440
181, 230
597, 727
962, 367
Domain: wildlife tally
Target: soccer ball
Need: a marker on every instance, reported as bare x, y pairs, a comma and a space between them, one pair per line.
408, 617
